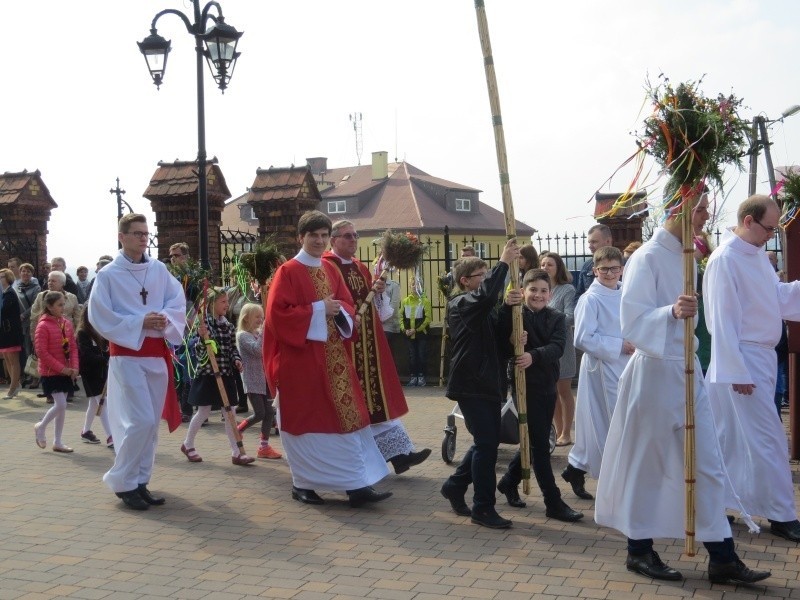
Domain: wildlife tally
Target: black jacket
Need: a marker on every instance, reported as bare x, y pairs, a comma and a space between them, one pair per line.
547, 335
92, 364
475, 358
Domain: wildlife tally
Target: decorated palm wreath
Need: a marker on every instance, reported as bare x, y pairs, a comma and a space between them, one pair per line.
692, 138
789, 189
399, 251
258, 265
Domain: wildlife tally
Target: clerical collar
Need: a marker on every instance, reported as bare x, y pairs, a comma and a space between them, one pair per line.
304, 258
346, 261
133, 262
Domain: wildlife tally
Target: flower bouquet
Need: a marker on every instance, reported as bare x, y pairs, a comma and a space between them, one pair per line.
691, 136
399, 250
789, 196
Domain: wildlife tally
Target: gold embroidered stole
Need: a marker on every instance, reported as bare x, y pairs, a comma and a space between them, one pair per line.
365, 352
336, 362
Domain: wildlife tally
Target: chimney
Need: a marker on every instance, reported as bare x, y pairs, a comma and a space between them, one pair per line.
318, 165
380, 165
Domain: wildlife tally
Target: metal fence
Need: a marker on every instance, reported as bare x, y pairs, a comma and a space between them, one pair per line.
438, 258
26, 249
231, 244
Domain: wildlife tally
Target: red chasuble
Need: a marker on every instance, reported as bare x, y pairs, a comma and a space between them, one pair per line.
369, 349
319, 391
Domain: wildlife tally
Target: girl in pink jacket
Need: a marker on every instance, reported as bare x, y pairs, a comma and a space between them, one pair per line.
58, 366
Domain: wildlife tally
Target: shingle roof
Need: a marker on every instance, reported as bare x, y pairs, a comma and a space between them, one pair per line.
404, 200
12, 186
179, 178
282, 183
634, 205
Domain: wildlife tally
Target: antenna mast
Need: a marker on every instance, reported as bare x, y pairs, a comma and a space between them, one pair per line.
355, 119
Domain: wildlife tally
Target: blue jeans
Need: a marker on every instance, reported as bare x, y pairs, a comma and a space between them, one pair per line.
482, 419
417, 354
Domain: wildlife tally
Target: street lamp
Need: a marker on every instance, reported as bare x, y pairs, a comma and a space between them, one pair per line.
120, 201
217, 44
759, 138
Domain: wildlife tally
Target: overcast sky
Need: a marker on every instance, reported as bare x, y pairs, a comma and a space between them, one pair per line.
79, 105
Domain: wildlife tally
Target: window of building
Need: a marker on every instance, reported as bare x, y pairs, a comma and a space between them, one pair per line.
481, 249
337, 206
250, 213
463, 204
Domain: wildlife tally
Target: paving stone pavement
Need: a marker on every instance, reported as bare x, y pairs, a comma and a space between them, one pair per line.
230, 532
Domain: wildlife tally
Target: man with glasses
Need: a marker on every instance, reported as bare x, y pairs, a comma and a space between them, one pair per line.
178, 254
371, 355
745, 305
137, 306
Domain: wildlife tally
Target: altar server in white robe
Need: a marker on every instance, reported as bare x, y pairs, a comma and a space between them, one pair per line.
598, 334
640, 491
745, 303
136, 304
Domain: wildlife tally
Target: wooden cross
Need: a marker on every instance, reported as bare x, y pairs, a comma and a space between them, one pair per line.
143, 294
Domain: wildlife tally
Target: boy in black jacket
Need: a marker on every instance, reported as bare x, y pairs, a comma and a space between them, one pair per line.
546, 334
476, 382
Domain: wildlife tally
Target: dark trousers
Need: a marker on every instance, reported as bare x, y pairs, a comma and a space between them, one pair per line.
482, 419
718, 552
417, 354
240, 391
540, 419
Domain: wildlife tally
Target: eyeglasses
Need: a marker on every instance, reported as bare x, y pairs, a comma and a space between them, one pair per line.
139, 235
607, 270
772, 230
348, 236
483, 275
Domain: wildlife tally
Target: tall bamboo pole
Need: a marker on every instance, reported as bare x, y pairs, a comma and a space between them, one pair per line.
689, 198
511, 232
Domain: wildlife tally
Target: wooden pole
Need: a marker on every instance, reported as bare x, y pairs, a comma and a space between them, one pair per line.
511, 232
688, 195
444, 344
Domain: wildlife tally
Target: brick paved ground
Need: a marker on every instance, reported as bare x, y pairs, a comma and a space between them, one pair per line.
230, 532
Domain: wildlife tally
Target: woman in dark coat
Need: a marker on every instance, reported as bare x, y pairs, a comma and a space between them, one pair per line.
10, 330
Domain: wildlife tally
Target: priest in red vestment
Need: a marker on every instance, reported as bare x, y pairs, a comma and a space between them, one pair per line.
369, 350
321, 410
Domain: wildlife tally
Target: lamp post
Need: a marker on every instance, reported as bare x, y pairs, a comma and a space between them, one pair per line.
120, 201
758, 138
217, 44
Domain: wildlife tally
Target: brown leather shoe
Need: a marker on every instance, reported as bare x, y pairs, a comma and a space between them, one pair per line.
242, 460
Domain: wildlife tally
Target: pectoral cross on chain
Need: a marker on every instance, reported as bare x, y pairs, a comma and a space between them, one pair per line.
143, 294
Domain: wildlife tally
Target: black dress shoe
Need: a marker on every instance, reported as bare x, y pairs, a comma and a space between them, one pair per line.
561, 512
577, 479
145, 495
734, 572
133, 500
306, 496
651, 565
730, 518
362, 496
491, 519
404, 462
789, 530
456, 501
511, 493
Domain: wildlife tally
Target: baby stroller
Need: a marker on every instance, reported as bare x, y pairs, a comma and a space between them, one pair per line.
509, 429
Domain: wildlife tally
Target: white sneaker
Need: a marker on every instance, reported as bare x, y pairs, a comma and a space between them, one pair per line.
421, 382
412, 382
